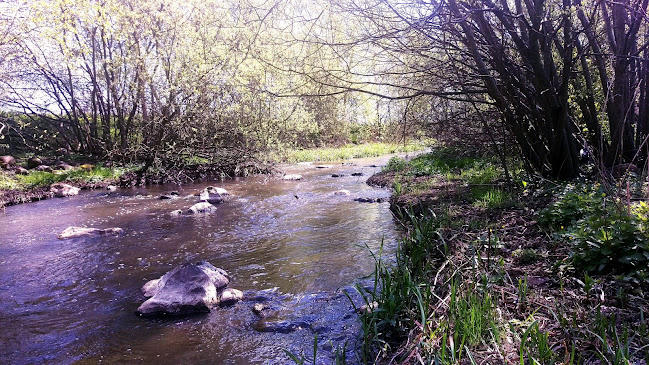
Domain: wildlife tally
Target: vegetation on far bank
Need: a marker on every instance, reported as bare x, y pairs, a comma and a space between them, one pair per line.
349, 151
41, 179
521, 272
86, 175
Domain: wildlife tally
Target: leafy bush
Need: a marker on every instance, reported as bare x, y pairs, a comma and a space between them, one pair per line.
603, 236
396, 164
572, 204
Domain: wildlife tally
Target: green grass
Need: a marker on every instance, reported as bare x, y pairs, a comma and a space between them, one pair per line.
472, 314
348, 152
489, 197
37, 179
450, 164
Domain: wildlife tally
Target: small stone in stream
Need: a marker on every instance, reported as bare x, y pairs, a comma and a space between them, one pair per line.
279, 326
74, 232
175, 213
212, 195
111, 188
344, 192
357, 174
370, 200
323, 167
292, 177
202, 207
259, 308
170, 195
337, 175
230, 296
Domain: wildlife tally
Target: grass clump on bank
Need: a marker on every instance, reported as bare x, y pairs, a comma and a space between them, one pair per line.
40, 179
329, 154
483, 278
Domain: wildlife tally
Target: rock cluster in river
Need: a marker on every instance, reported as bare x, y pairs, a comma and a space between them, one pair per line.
187, 289
207, 198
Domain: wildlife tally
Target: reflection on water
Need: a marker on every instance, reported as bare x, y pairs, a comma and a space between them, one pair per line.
291, 244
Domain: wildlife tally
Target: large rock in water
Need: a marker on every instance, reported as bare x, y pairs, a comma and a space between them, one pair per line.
189, 288
62, 190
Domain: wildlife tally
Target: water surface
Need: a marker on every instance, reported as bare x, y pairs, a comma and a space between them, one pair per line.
291, 244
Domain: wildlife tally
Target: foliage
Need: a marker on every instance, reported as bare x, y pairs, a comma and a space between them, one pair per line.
604, 237
350, 151
472, 315
535, 346
38, 179
573, 202
398, 298
490, 197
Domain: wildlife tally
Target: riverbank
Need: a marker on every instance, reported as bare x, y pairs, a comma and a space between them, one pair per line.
20, 185
491, 272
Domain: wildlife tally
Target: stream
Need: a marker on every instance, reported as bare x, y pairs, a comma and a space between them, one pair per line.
293, 245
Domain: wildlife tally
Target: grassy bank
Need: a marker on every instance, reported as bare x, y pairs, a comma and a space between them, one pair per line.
497, 273
40, 179
328, 154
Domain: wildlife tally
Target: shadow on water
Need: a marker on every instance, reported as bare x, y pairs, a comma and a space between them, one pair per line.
291, 245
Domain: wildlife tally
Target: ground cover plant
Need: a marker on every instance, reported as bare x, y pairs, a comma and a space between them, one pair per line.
532, 272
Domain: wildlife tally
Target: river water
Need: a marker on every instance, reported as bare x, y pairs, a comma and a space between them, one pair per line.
290, 244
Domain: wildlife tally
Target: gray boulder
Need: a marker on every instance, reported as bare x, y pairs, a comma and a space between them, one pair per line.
230, 296
34, 162
21, 170
62, 190
213, 195
189, 288
64, 166
44, 168
7, 161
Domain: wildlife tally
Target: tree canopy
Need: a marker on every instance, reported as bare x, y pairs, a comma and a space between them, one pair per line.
129, 79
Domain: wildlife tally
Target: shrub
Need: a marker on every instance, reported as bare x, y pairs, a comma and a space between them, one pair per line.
572, 204
603, 236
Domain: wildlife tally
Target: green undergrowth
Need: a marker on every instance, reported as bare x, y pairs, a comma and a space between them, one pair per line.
606, 232
37, 179
347, 152
483, 175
